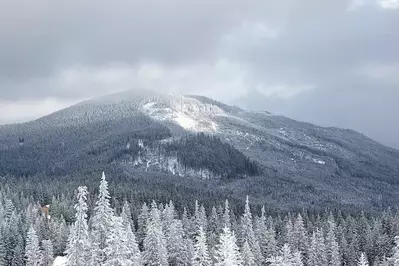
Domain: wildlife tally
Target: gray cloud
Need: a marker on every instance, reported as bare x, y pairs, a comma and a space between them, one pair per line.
327, 62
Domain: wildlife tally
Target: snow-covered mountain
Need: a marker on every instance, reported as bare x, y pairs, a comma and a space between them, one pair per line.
148, 131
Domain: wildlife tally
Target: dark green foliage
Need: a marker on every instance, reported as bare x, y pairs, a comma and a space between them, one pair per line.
203, 151
70, 149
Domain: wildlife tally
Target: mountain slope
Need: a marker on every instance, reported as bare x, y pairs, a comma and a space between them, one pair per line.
296, 163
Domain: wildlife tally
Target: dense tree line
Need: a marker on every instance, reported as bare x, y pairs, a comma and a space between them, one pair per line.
202, 151
102, 232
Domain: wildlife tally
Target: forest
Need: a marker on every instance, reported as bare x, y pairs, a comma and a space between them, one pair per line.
90, 226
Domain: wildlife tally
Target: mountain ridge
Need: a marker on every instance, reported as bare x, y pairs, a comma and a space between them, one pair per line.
306, 161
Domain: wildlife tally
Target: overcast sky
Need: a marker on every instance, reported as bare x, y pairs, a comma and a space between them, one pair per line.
333, 63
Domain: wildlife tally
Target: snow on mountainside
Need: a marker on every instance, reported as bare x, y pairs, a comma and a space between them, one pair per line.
339, 164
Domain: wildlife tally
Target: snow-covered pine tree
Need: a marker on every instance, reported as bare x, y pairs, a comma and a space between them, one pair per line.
395, 257
289, 233
321, 243
18, 256
226, 215
248, 258
59, 235
227, 252
32, 250
201, 219
127, 214
78, 249
286, 258
142, 220
116, 251
300, 237
134, 254
313, 251
155, 252
48, 253
201, 255
248, 235
178, 251
214, 228
3, 251
363, 260
297, 259
168, 216
102, 222
187, 223
333, 256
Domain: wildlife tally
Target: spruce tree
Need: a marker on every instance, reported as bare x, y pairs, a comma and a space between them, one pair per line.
201, 253
227, 253
48, 253
133, 251
332, 247
127, 214
3, 251
248, 235
155, 252
32, 250
321, 246
300, 238
226, 215
142, 220
116, 251
178, 251
18, 256
395, 257
248, 258
102, 222
78, 247
313, 251
363, 260
286, 258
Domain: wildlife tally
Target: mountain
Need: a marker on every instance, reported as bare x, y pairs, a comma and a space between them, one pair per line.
198, 141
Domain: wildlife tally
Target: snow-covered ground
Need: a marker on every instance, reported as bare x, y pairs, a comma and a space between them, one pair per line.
188, 113
60, 261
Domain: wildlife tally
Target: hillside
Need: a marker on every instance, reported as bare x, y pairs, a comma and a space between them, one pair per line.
273, 158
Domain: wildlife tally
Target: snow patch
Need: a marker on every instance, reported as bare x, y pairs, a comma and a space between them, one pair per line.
185, 121
319, 161
190, 114
60, 261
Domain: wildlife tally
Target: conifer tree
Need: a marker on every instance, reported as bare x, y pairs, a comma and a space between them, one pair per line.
247, 233
102, 222
321, 246
248, 258
32, 250
59, 235
201, 253
133, 251
363, 260
214, 228
48, 253
227, 253
126, 214
18, 257
116, 251
286, 258
142, 220
395, 257
313, 252
226, 215
78, 243
332, 247
155, 252
300, 238
3, 251
178, 251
